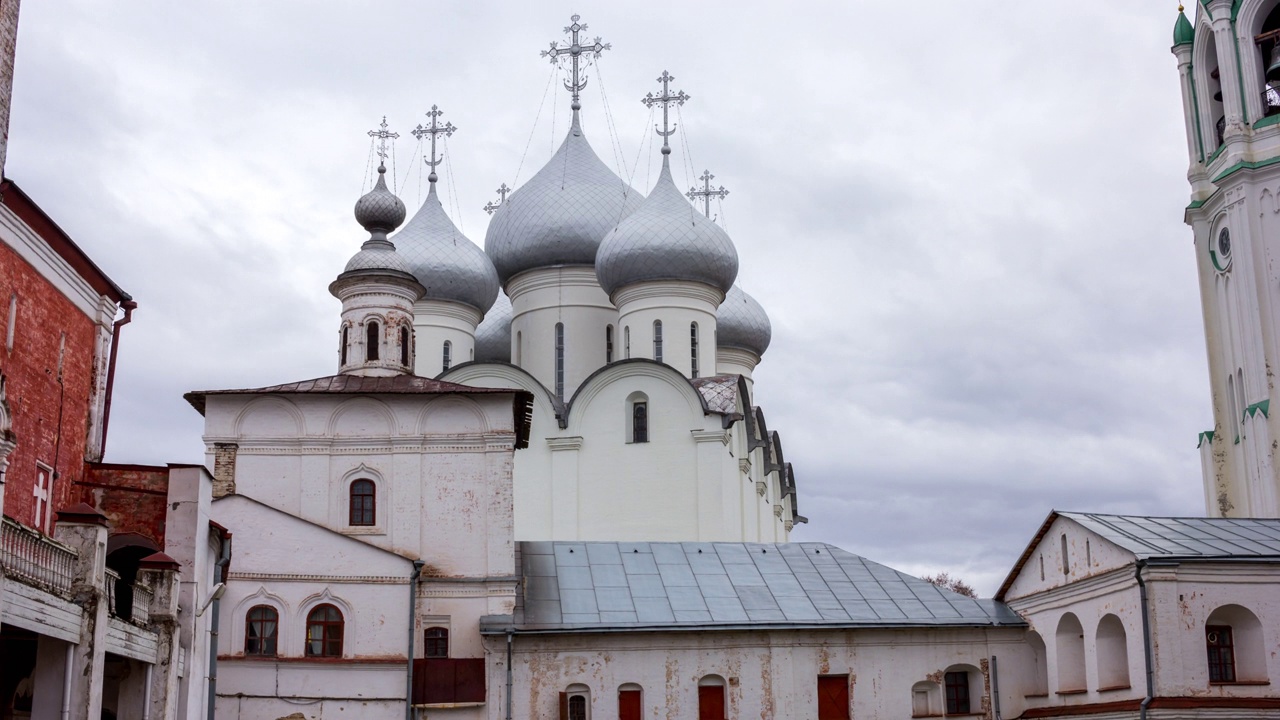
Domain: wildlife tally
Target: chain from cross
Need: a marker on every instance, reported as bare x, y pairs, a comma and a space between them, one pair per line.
383, 135
492, 207
575, 50
436, 129
706, 193
666, 99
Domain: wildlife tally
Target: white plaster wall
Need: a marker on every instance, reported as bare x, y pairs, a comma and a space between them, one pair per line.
677, 305
566, 294
1088, 555
436, 322
736, 361
768, 673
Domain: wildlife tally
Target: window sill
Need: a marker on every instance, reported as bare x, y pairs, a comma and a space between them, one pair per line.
1213, 683
1036, 695
363, 530
446, 706
1111, 688
1081, 691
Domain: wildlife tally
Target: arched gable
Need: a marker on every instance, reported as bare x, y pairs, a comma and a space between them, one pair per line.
691, 401
362, 417
452, 415
503, 375
270, 416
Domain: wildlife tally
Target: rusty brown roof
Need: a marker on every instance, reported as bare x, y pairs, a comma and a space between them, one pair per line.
394, 385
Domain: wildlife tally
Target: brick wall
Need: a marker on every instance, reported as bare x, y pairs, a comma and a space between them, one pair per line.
133, 497
8, 43
35, 396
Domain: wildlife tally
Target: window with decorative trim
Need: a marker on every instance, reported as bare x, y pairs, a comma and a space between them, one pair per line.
261, 631
325, 629
372, 341
575, 703
435, 642
363, 503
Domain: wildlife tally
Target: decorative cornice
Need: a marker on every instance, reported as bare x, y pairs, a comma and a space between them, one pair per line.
444, 308
707, 436
335, 579
552, 277
667, 289
573, 442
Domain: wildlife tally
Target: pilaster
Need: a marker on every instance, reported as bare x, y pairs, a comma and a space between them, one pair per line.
564, 487
84, 529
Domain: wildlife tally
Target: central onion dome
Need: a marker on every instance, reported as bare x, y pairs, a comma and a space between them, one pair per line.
379, 211
561, 214
493, 336
742, 323
666, 239
448, 265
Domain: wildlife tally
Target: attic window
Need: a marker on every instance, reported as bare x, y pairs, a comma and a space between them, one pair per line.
1066, 561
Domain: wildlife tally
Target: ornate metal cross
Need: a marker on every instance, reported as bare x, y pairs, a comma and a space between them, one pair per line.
491, 207
383, 136
436, 129
666, 99
706, 193
575, 50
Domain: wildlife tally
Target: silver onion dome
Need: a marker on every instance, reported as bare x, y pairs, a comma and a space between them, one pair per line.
379, 211
742, 323
493, 335
666, 239
561, 214
448, 265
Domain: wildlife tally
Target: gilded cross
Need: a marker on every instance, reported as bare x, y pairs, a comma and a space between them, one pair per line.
435, 129
666, 99
491, 207
383, 135
575, 50
706, 193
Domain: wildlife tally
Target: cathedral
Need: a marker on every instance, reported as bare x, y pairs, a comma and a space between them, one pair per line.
537, 485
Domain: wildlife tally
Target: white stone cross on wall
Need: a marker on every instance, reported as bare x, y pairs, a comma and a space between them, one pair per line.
41, 493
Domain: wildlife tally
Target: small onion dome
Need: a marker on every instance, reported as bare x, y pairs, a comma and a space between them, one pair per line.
742, 323
493, 335
448, 265
379, 211
666, 239
1183, 33
561, 214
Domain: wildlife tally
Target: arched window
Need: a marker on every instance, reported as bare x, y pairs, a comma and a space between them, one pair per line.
447, 356
1039, 670
657, 340
693, 348
630, 702
608, 344
1234, 646
261, 631
575, 703
436, 643
711, 701
560, 361
957, 688
342, 351
1066, 559
639, 422
324, 632
924, 699
626, 342
404, 346
1113, 654
1070, 652
363, 506
371, 341
519, 346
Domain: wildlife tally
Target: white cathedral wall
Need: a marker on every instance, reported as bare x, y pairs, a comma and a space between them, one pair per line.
766, 673
569, 295
435, 323
678, 305
736, 361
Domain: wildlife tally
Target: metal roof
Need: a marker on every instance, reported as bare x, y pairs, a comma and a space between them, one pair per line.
1155, 537
607, 586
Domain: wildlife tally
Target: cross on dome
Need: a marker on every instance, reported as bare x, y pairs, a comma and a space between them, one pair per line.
706, 193
666, 99
574, 51
436, 129
383, 135
492, 207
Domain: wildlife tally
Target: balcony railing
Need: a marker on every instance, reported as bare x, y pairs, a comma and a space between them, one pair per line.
35, 558
127, 601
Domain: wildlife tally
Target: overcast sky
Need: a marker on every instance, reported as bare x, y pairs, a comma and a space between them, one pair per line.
964, 220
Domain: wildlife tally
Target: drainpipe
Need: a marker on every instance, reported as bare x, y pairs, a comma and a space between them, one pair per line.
995, 688
146, 695
508, 675
1146, 640
129, 306
67, 677
413, 615
224, 559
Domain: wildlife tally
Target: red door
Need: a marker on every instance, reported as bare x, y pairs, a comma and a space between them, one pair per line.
711, 702
629, 705
833, 697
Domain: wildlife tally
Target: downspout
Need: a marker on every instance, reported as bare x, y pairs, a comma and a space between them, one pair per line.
1146, 640
508, 674
413, 615
224, 559
995, 688
129, 306
67, 677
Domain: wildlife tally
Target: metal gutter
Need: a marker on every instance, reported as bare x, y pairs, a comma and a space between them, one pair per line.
738, 626
224, 559
129, 306
413, 615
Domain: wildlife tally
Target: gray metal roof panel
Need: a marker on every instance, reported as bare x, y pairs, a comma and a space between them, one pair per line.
576, 586
1208, 538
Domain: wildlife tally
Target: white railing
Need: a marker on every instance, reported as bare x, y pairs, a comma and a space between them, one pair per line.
35, 558
142, 604
127, 602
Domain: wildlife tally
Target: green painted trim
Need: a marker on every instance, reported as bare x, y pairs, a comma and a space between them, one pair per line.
1268, 120
1195, 109
1214, 155
1213, 257
1235, 39
1237, 442
1197, 204
1245, 166
1183, 32
1262, 406
1206, 436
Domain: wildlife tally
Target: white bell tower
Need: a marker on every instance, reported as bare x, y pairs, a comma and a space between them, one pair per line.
1229, 67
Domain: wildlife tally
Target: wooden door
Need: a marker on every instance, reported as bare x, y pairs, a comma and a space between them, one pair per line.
629, 705
711, 702
833, 697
